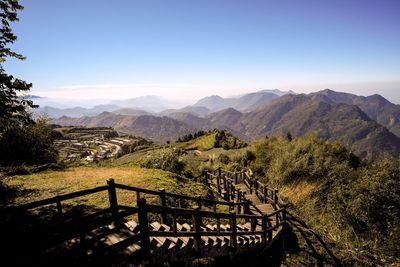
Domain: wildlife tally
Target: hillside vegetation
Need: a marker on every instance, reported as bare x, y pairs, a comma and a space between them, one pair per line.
375, 106
353, 203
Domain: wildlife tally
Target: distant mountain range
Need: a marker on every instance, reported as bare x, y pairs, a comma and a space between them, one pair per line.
247, 102
301, 115
158, 106
370, 125
74, 112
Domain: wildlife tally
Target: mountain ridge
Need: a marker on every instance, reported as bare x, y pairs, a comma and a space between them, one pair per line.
375, 106
330, 115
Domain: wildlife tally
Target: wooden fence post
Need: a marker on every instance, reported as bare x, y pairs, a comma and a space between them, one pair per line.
275, 198
199, 201
264, 229
228, 189
163, 199
112, 196
219, 184
246, 209
269, 234
236, 178
256, 186
265, 194
224, 182
144, 228
238, 209
174, 225
284, 206
59, 209
196, 220
234, 231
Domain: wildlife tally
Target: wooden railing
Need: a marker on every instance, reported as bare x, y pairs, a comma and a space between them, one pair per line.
170, 208
197, 216
224, 183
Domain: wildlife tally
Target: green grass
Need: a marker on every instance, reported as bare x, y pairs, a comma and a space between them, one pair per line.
136, 157
205, 142
48, 184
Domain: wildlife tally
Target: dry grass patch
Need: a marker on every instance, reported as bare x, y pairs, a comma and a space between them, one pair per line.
48, 184
299, 191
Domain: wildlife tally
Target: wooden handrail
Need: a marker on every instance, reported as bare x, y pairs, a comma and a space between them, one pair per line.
225, 183
54, 200
173, 195
204, 213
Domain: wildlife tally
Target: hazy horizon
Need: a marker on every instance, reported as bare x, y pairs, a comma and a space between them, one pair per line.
179, 103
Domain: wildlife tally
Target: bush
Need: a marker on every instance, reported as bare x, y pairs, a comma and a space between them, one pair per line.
224, 159
31, 144
167, 161
227, 141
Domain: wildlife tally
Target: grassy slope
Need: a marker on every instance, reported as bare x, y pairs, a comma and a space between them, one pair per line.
205, 142
47, 184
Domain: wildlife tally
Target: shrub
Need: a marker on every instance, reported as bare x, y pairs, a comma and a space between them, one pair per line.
167, 161
354, 202
31, 144
224, 159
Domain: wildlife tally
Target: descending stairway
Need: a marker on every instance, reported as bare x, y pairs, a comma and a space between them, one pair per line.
158, 233
104, 244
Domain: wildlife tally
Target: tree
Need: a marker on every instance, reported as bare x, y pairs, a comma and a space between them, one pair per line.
31, 144
14, 109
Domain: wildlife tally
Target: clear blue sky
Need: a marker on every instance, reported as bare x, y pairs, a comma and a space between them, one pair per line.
188, 48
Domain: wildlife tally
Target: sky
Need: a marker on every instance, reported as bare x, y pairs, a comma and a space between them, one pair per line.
187, 49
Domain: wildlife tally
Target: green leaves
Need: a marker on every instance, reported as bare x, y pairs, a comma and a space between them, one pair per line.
14, 110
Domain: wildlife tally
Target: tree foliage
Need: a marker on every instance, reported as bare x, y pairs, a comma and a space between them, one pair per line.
190, 136
22, 141
32, 144
227, 141
14, 109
